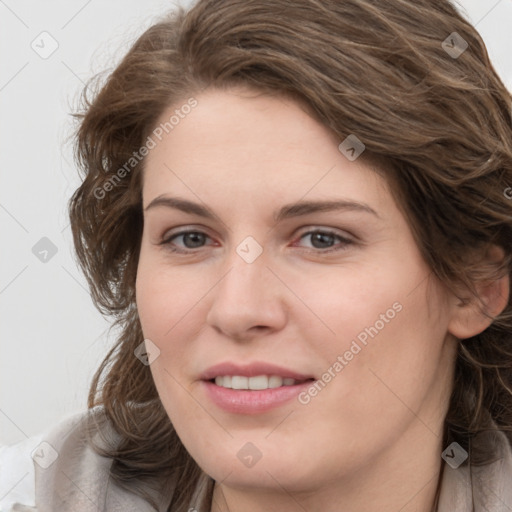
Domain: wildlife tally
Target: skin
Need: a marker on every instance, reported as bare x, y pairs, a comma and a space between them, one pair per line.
371, 439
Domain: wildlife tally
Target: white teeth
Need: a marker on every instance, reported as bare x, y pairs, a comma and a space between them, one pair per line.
275, 381
238, 382
255, 383
259, 382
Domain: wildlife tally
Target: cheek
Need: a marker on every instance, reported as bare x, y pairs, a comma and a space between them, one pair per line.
395, 356
386, 322
353, 303
167, 298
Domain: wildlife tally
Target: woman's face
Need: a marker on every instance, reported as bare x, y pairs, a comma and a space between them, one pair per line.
267, 254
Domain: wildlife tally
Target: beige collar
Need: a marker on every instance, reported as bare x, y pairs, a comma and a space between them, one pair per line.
487, 488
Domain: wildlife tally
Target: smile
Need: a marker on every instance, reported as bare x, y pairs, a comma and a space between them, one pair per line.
256, 383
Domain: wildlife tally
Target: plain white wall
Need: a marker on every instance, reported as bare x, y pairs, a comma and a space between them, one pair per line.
52, 338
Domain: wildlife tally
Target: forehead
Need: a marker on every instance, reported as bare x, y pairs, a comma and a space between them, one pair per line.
240, 143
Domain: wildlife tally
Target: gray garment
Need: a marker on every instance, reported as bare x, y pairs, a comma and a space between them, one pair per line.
78, 480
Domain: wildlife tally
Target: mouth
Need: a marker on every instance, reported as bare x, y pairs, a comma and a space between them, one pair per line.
254, 388
257, 383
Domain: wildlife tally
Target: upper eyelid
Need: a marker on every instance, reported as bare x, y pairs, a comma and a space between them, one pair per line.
307, 231
342, 237
170, 233
204, 230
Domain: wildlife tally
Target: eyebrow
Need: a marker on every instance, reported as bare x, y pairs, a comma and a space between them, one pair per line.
286, 212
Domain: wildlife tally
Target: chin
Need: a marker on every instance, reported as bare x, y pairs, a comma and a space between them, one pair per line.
273, 470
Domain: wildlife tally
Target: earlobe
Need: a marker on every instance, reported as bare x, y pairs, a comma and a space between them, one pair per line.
471, 317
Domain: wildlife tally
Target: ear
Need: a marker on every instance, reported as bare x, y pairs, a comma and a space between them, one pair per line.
471, 317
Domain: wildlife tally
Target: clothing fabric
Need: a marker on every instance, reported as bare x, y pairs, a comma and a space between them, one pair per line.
66, 475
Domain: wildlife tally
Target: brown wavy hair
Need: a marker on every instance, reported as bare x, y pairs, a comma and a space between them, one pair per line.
438, 127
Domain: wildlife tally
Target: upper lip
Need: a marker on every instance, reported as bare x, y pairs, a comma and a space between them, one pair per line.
251, 370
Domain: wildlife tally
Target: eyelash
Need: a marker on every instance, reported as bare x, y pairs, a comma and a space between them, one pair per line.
167, 242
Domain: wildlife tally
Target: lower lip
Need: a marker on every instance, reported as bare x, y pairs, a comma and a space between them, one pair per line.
243, 401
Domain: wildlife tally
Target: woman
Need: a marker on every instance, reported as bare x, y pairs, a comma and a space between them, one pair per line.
297, 215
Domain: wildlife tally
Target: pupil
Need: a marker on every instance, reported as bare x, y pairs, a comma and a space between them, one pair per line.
321, 240
195, 239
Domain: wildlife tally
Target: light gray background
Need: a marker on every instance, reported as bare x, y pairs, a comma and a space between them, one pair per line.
52, 338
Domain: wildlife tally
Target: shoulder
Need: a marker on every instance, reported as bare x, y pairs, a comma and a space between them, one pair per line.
74, 477
17, 474
17, 468
67, 469
61, 471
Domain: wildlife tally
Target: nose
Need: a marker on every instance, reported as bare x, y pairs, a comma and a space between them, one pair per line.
249, 301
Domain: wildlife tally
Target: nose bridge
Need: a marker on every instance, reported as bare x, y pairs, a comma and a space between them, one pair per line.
245, 276
247, 296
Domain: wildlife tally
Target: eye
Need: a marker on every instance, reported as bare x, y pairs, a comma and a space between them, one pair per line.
320, 240
185, 241
325, 240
